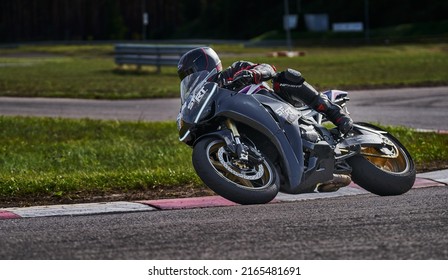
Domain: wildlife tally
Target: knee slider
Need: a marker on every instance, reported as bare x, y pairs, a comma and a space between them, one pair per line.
288, 85
293, 76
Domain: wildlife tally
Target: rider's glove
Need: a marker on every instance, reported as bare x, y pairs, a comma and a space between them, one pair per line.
246, 77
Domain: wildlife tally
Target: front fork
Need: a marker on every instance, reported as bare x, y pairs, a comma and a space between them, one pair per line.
240, 149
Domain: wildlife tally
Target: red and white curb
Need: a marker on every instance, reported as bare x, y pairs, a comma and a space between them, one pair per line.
431, 179
72, 209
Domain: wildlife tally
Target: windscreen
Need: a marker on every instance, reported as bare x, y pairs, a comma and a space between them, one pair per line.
193, 82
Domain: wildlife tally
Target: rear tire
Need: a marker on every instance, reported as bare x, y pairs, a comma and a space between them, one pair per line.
226, 176
384, 176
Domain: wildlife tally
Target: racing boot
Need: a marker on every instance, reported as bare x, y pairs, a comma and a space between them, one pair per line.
334, 113
292, 87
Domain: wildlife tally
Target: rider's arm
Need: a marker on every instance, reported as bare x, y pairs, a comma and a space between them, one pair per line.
261, 72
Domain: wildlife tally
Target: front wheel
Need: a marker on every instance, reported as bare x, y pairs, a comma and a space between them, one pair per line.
386, 171
235, 180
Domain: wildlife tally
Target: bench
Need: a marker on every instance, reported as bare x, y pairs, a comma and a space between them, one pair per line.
156, 55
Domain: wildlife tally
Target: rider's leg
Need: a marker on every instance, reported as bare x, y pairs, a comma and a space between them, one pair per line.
291, 86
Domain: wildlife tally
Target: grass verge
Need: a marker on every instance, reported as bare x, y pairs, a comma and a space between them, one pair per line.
52, 160
90, 72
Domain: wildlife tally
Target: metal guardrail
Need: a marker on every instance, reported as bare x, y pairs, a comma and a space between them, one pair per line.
157, 55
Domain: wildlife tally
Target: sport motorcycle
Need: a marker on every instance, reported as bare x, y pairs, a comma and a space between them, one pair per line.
248, 146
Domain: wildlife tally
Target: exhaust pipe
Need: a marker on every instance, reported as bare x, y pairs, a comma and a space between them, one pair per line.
338, 181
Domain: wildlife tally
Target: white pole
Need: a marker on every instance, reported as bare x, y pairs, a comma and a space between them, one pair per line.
288, 31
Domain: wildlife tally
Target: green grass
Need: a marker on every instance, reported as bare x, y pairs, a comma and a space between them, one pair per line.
78, 77
371, 67
62, 157
49, 156
89, 71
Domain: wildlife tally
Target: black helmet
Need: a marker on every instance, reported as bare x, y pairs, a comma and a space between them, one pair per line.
196, 60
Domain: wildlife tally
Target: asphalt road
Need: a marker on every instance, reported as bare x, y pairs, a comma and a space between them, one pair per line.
410, 226
424, 108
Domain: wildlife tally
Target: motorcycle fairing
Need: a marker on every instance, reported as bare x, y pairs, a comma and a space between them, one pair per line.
321, 156
274, 119
194, 109
248, 110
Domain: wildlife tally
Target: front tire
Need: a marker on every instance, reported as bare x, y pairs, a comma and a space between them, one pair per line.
243, 183
383, 176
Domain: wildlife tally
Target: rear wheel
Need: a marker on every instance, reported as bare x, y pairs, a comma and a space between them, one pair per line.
239, 181
388, 170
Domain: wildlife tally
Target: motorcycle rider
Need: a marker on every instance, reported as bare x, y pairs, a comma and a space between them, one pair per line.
289, 84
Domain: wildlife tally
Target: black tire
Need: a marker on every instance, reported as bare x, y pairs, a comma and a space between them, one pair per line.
384, 177
226, 182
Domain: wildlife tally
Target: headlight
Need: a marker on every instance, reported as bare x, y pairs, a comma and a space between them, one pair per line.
179, 122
